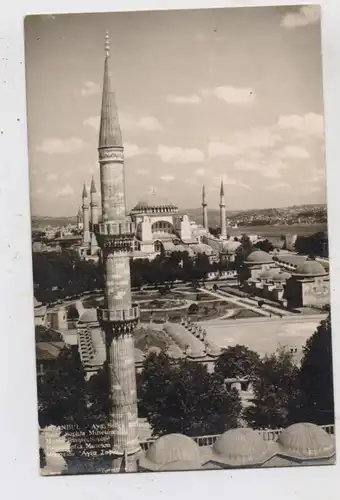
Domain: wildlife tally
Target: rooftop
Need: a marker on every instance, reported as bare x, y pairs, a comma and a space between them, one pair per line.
152, 203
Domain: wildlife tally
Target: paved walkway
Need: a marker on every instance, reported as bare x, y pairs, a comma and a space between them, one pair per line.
237, 301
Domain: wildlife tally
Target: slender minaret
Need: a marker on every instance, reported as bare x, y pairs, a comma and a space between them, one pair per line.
79, 219
223, 214
205, 209
86, 217
94, 205
119, 316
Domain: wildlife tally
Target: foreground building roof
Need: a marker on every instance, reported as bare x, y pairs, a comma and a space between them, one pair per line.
299, 444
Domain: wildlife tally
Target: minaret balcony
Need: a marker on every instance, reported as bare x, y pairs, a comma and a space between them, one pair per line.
124, 229
118, 315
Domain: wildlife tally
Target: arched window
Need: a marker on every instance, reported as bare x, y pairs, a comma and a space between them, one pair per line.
162, 227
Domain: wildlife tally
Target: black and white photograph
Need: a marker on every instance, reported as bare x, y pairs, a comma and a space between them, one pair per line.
179, 233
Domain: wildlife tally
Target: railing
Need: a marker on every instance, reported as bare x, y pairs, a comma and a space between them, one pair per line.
118, 315
209, 440
116, 228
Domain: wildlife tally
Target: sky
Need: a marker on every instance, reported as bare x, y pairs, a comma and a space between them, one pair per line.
201, 95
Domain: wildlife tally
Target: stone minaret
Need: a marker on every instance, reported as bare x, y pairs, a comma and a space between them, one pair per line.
205, 209
79, 219
94, 205
86, 217
223, 214
119, 316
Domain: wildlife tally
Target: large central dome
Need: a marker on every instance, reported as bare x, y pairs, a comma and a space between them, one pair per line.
154, 203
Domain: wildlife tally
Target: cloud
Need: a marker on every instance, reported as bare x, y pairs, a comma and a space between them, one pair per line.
271, 169
217, 148
279, 185
177, 154
92, 121
128, 121
54, 145
234, 95
51, 177
90, 88
229, 181
131, 150
190, 99
242, 142
167, 178
317, 177
308, 124
200, 171
142, 171
293, 152
308, 14
65, 191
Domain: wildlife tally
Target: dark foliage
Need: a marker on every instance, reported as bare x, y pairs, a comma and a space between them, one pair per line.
315, 377
275, 390
315, 245
238, 361
58, 276
183, 397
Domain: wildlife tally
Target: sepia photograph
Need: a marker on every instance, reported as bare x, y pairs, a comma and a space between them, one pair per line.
177, 168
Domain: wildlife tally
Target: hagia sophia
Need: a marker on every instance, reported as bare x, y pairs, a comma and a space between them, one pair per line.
152, 227
160, 229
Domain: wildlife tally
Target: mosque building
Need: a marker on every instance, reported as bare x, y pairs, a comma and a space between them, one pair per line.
294, 281
160, 228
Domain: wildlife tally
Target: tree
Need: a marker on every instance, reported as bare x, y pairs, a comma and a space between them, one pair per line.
237, 362
241, 255
61, 391
315, 377
181, 396
314, 245
275, 391
264, 245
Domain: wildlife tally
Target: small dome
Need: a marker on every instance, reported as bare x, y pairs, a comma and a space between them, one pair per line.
259, 256
172, 451
306, 441
202, 248
89, 316
241, 447
281, 276
230, 246
310, 268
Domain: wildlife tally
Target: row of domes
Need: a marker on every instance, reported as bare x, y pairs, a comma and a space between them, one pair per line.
308, 267
239, 447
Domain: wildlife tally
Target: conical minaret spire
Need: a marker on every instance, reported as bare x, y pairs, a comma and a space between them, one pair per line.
223, 215
119, 316
205, 209
109, 134
94, 205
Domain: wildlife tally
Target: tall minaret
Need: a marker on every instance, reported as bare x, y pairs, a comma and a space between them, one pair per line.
86, 217
79, 219
223, 214
119, 316
205, 209
94, 205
